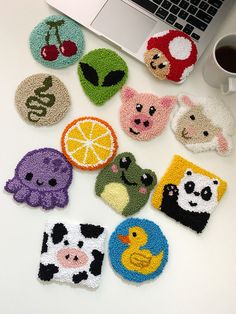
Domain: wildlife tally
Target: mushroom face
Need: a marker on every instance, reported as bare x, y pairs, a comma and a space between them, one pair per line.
157, 63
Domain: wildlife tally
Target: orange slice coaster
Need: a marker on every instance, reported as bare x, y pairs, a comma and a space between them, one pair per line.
89, 143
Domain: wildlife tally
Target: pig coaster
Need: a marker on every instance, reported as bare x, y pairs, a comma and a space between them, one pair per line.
188, 193
72, 253
42, 178
102, 73
144, 116
170, 55
124, 185
203, 124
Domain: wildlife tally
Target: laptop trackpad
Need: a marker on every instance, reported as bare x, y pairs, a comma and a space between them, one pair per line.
123, 24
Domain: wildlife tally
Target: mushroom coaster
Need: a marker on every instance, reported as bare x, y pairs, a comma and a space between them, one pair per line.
72, 253
170, 55
42, 178
138, 250
102, 73
124, 185
42, 99
57, 42
188, 193
203, 124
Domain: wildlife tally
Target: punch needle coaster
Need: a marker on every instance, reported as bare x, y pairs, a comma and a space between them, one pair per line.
203, 124
72, 253
124, 185
57, 42
170, 55
188, 193
42, 178
89, 143
144, 116
138, 250
42, 99
102, 73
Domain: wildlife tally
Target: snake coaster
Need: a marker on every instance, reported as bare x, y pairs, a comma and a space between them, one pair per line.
72, 253
138, 250
102, 73
188, 193
42, 99
57, 42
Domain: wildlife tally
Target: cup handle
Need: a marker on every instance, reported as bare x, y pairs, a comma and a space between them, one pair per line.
229, 87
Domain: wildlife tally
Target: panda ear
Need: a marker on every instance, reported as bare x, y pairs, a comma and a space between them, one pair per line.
188, 172
215, 181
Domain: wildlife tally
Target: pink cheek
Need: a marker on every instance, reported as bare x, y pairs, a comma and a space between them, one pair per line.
142, 190
114, 168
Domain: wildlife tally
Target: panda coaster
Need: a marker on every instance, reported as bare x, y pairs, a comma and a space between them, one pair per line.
188, 193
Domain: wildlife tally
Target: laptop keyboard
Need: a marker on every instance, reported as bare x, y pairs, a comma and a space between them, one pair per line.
192, 16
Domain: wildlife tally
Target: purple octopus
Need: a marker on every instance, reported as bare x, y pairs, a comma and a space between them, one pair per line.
42, 178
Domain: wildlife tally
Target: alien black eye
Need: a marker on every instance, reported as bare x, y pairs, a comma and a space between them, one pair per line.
52, 182
189, 187
29, 176
139, 107
192, 117
66, 242
80, 244
134, 234
205, 133
146, 179
152, 110
206, 193
125, 162
156, 56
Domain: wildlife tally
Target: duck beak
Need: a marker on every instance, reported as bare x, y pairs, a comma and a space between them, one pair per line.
124, 239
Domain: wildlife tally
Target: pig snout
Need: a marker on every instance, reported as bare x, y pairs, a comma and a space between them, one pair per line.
72, 258
141, 122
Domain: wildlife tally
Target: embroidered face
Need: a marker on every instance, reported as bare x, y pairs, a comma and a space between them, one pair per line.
157, 63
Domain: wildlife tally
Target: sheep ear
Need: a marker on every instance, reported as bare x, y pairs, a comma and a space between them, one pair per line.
127, 93
168, 102
185, 100
224, 144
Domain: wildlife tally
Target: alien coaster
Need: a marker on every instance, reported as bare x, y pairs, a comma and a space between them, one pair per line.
72, 253
203, 124
170, 55
42, 178
57, 42
124, 185
102, 73
144, 116
138, 250
188, 193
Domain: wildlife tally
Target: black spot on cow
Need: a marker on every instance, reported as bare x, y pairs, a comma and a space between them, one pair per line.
96, 265
46, 272
58, 232
91, 231
79, 277
44, 246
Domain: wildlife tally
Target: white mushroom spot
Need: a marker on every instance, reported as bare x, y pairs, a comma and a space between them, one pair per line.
161, 34
180, 48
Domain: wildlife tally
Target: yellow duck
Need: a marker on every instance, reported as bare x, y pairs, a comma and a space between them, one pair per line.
136, 259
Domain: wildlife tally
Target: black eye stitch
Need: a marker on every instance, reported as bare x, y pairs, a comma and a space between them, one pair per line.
192, 117
80, 244
66, 242
139, 107
156, 56
134, 234
189, 187
52, 182
152, 110
205, 133
146, 179
161, 66
125, 162
206, 193
29, 176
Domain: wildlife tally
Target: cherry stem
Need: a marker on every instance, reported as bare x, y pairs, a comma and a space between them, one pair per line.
55, 25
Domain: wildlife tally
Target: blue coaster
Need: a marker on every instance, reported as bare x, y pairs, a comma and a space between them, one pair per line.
57, 42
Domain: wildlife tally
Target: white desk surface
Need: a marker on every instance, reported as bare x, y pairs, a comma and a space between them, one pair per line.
200, 277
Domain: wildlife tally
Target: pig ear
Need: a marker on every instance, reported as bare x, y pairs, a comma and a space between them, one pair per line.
224, 144
127, 93
168, 102
186, 100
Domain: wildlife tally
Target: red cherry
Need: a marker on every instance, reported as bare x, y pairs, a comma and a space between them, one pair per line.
49, 52
68, 48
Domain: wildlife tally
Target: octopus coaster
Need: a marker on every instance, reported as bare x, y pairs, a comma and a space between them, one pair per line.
138, 250
102, 73
42, 99
72, 253
188, 193
42, 178
57, 42
203, 124
124, 185
144, 116
170, 55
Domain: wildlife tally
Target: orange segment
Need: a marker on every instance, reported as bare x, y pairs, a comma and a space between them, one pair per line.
79, 155
86, 128
101, 152
91, 157
73, 145
76, 133
104, 140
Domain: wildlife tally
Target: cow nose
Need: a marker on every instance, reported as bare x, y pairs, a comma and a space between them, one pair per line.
196, 193
137, 121
146, 123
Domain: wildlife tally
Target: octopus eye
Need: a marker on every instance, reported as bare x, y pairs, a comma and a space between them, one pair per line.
29, 176
52, 182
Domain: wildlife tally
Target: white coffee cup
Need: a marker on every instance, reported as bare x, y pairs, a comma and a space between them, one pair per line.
213, 72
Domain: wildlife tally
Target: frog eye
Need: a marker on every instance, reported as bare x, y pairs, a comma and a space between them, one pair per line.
152, 110
125, 162
146, 179
139, 107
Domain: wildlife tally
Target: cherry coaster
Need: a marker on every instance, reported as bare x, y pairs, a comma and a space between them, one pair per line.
57, 42
72, 253
42, 99
188, 193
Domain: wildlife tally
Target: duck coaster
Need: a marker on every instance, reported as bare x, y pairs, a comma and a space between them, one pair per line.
188, 193
102, 73
203, 124
144, 116
42, 178
42, 99
138, 250
124, 185
72, 253
57, 42
170, 55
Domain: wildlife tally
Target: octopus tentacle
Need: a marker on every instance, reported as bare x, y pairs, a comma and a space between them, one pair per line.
46, 200
13, 185
21, 195
33, 199
61, 198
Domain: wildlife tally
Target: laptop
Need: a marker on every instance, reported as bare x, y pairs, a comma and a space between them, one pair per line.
129, 23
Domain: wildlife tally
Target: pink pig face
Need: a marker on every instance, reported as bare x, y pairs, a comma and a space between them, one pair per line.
144, 116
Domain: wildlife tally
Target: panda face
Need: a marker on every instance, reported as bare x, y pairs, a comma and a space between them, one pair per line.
197, 193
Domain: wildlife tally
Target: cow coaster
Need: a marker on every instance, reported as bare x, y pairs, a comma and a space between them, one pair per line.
57, 42
203, 124
102, 73
42, 99
188, 193
138, 250
42, 178
144, 116
72, 253
170, 55
124, 185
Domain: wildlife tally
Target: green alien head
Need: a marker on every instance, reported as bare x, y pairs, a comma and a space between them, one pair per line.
102, 73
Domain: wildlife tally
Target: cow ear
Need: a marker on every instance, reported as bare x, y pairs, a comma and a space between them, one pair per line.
224, 144
58, 232
185, 100
91, 231
127, 93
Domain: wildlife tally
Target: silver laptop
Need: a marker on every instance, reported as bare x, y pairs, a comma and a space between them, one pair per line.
129, 23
